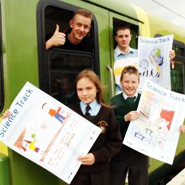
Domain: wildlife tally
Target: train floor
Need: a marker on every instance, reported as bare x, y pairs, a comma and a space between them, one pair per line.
175, 177
179, 179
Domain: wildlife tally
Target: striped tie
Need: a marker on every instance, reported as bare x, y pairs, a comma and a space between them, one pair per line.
87, 110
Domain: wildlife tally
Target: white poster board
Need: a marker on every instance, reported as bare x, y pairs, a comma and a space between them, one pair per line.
156, 132
154, 60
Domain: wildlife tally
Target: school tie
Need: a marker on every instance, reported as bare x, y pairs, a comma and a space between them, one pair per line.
87, 110
130, 100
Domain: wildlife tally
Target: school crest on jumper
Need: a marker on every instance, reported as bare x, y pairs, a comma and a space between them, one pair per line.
103, 125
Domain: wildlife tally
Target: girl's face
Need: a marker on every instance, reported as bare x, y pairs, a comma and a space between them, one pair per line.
86, 90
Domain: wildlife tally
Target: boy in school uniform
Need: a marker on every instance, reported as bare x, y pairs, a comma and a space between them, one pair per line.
126, 104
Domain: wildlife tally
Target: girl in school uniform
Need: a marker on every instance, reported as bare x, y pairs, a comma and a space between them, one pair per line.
95, 165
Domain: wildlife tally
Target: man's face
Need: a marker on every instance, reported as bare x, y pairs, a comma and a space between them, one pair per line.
123, 38
130, 83
80, 27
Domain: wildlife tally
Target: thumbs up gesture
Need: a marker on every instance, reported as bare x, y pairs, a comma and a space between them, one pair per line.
58, 38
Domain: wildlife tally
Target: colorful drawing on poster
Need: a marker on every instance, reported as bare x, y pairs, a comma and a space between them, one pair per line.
54, 113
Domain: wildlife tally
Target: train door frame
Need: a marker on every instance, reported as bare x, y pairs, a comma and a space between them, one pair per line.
43, 54
1, 66
114, 20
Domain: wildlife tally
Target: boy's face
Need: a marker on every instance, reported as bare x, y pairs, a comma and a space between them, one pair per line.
130, 83
123, 38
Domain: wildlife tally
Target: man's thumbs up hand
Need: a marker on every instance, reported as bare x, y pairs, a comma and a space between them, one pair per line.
57, 39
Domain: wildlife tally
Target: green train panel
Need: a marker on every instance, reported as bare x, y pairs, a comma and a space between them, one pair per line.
24, 28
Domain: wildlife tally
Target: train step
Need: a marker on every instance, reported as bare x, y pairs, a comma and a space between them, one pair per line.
179, 179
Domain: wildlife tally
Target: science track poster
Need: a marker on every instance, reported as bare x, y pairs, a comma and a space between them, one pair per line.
156, 132
154, 60
47, 132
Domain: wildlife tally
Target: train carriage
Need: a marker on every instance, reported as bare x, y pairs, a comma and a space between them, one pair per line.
24, 27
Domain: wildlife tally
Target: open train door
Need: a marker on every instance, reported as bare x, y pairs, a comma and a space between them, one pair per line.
115, 20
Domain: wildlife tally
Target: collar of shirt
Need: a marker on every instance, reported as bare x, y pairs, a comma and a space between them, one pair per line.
118, 52
125, 96
95, 107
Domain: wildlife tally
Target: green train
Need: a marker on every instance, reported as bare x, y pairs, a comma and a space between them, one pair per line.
24, 25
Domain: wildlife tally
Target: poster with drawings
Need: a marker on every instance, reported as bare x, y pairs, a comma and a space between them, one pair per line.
154, 60
47, 132
156, 132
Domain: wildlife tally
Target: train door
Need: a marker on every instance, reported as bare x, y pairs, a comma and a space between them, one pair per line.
115, 20
58, 67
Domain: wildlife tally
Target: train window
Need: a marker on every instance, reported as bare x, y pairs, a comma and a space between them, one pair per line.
58, 67
178, 50
178, 69
1, 68
177, 75
63, 68
53, 16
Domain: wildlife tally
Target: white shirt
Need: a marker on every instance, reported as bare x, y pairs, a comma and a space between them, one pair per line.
95, 107
125, 96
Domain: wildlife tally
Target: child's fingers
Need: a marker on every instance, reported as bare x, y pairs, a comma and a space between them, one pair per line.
6, 114
87, 160
81, 158
182, 129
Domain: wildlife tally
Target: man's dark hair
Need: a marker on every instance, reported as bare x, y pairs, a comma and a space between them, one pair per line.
121, 27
